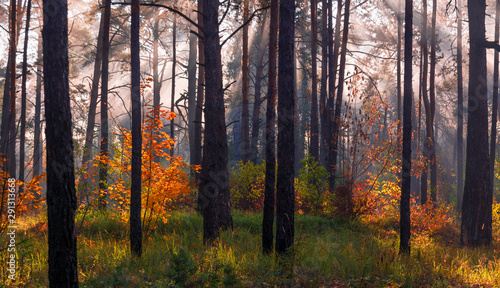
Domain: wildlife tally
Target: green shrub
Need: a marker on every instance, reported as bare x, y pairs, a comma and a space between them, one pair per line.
247, 183
311, 187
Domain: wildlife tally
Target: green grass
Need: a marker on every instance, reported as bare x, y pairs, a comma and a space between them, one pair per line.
328, 253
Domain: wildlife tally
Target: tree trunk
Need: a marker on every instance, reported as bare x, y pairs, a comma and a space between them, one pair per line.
245, 128
432, 96
37, 152
199, 96
89, 135
494, 111
135, 190
214, 185
477, 202
258, 87
174, 63
314, 146
460, 112
270, 180
324, 78
61, 195
23, 99
335, 117
404, 245
192, 94
426, 147
103, 167
156, 76
399, 18
286, 145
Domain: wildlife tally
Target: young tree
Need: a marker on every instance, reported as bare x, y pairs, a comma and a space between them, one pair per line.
135, 189
324, 79
192, 93
200, 94
404, 244
477, 202
286, 142
245, 83
270, 180
172, 96
61, 196
426, 149
37, 154
432, 96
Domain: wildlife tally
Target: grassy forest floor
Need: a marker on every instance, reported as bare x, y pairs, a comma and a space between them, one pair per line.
328, 253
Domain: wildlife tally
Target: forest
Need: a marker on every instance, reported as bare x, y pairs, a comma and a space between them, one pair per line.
249, 143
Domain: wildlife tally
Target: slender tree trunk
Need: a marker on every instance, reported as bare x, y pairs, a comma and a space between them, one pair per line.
192, 94
103, 167
156, 76
460, 112
37, 152
174, 63
135, 190
477, 202
258, 88
324, 79
23, 98
286, 140
270, 180
399, 17
432, 96
404, 245
335, 117
245, 114
314, 146
494, 111
61, 192
214, 186
200, 95
426, 147
89, 135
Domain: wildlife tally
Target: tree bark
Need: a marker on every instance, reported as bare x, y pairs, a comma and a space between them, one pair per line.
22, 136
174, 63
61, 195
37, 154
245, 114
135, 190
270, 180
214, 185
426, 144
286, 144
460, 112
399, 18
477, 202
192, 95
404, 245
314, 146
200, 95
432, 96
103, 167
324, 80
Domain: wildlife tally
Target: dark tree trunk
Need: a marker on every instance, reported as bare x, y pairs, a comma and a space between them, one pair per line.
399, 17
103, 167
494, 109
37, 154
61, 195
192, 95
426, 144
270, 181
174, 63
136, 161
23, 98
89, 135
432, 96
460, 112
245, 114
214, 185
404, 245
476, 207
9, 97
314, 146
324, 79
200, 95
286, 141
156, 76
335, 117
258, 87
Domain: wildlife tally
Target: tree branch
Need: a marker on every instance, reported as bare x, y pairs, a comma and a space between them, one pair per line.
244, 24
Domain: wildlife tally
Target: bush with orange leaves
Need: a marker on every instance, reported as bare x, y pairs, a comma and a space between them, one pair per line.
165, 178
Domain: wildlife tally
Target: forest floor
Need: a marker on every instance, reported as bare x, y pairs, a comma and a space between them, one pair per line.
328, 253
